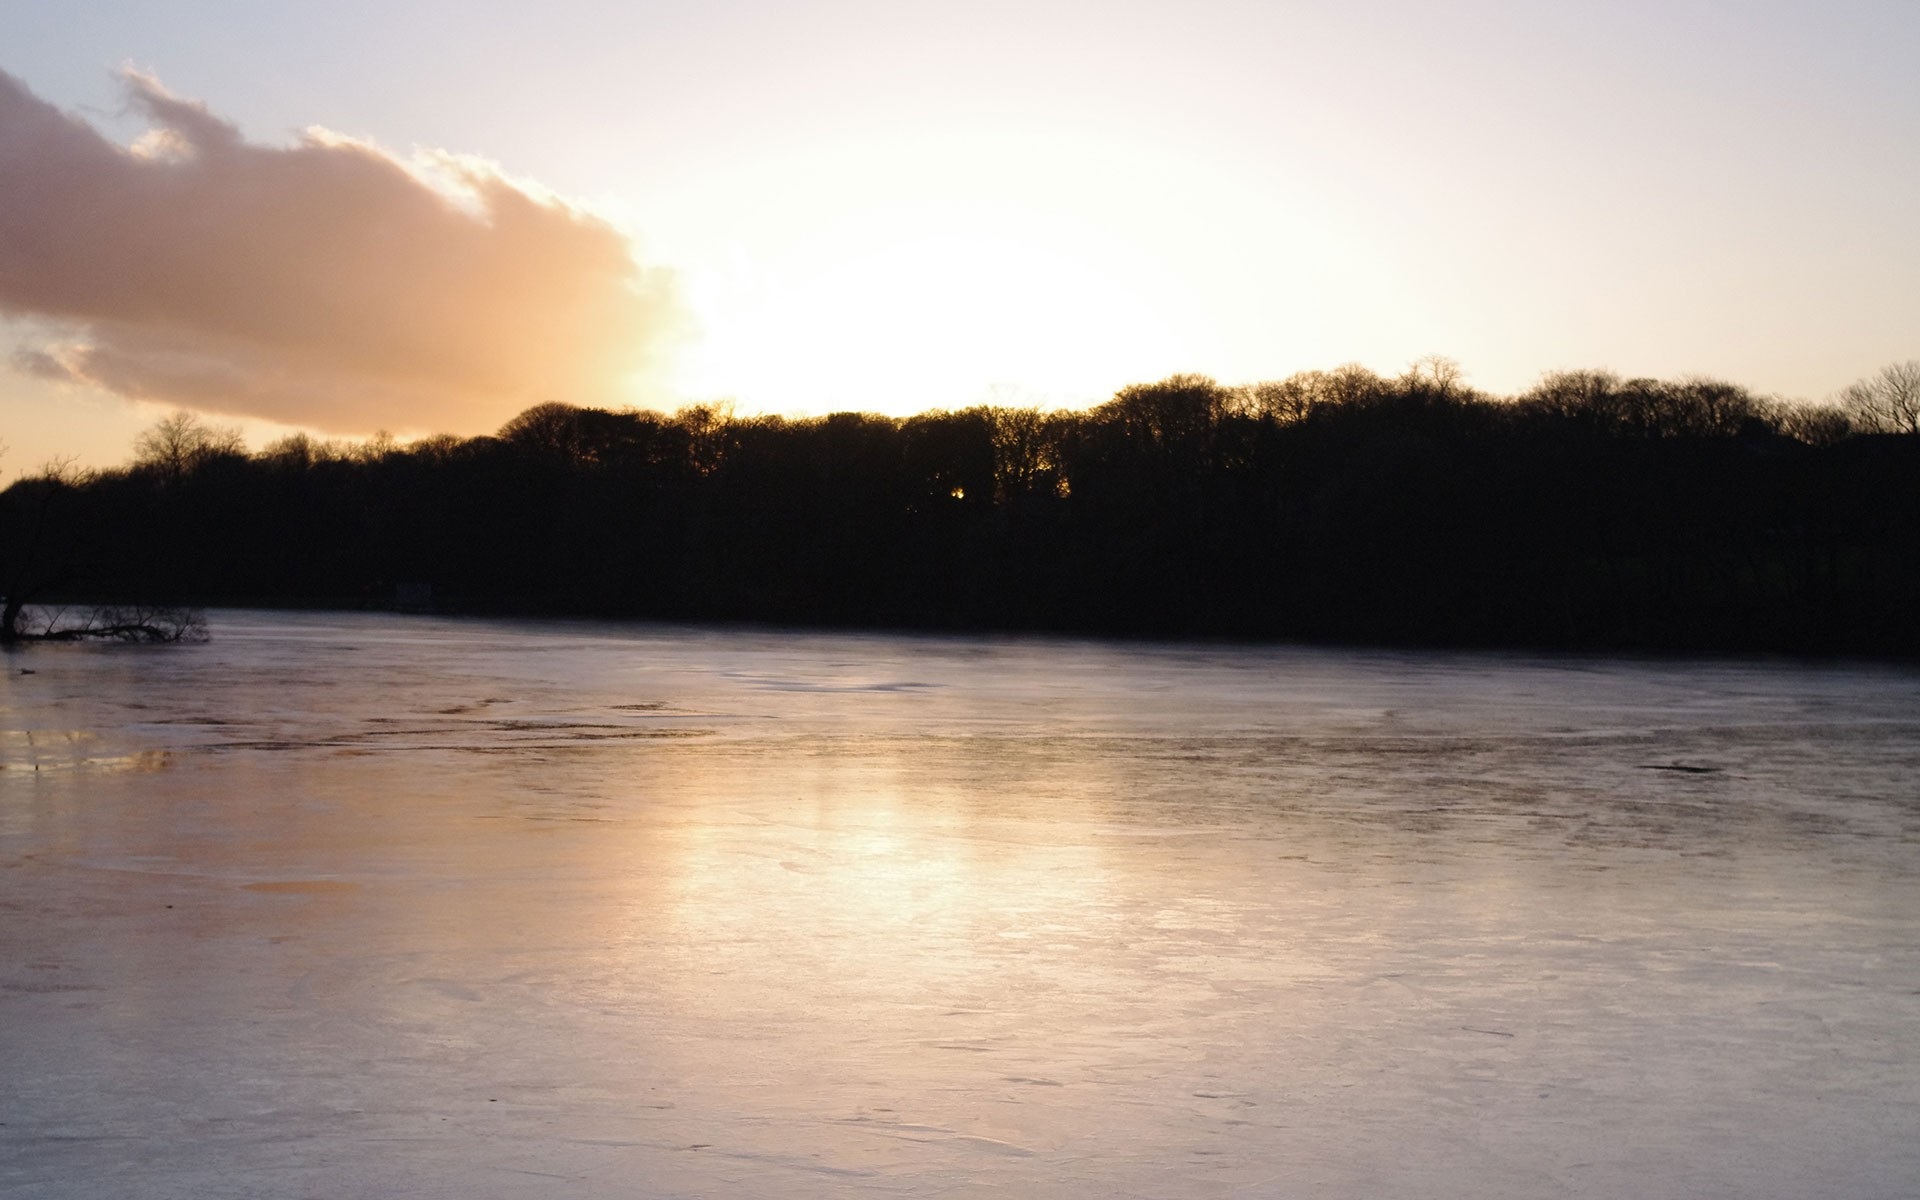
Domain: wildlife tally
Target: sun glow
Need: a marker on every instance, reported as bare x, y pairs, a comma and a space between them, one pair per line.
899, 273
898, 321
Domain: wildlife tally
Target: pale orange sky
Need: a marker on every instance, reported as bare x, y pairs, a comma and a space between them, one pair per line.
900, 206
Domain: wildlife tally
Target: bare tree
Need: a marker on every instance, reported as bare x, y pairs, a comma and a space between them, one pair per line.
134, 623
1888, 402
1282, 401
1814, 424
1178, 411
24, 571
1023, 453
31, 568
181, 443
1436, 374
707, 426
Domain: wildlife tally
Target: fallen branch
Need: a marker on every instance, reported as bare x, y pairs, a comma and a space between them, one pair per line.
137, 623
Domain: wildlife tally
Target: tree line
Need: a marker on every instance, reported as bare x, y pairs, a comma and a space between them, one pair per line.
1591, 511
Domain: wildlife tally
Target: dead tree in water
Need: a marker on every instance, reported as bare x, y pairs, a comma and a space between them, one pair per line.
130, 623
28, 571
21, 572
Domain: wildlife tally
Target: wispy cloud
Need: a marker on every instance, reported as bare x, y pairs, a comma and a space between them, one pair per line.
325, 283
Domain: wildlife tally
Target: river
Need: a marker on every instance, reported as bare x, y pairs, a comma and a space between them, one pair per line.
368, 905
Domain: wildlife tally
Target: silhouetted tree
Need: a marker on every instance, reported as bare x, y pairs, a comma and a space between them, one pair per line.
1888, 402
31, 561
181, 443
1593, 510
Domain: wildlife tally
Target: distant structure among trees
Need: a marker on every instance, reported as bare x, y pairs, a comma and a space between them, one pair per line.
1590, 511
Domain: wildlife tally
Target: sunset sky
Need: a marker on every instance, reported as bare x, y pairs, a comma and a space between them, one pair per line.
425, 217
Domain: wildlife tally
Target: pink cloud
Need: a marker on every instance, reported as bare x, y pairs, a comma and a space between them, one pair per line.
325, 283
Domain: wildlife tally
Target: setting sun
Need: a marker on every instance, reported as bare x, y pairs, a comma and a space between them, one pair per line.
854, 324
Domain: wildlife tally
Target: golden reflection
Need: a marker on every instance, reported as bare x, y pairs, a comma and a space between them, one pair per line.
30, 750
303, 887
873, 891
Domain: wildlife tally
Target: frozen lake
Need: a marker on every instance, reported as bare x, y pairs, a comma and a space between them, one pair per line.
372, 906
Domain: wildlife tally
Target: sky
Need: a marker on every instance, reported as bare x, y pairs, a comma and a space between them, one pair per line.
425, 217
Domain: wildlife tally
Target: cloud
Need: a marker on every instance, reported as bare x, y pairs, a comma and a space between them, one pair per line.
326, 283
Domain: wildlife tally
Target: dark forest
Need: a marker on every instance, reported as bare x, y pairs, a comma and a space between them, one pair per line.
1591, 512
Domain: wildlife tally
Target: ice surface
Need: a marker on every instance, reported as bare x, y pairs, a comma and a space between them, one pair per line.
367, 906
